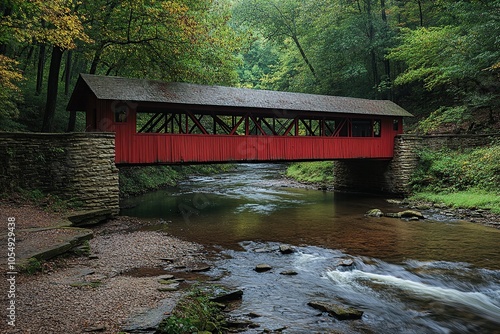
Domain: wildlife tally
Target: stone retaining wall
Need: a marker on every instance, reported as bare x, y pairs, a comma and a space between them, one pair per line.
394, 176
74, 166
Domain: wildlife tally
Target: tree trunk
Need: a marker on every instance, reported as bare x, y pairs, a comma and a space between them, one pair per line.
371, 36
96, 59
387, 64
41, 65
5, 10
303, 54
420, 12
72, 121
52, 87
67, 72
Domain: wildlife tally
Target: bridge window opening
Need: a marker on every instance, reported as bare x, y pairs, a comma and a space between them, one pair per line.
395, 124
209, 123
361, 128
377, 127
121, 113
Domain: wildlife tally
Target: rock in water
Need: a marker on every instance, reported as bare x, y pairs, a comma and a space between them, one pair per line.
411, 214
408, 214
345, 263
227, 296
262, 267
374, 213
289, 273
338, 311
286, 249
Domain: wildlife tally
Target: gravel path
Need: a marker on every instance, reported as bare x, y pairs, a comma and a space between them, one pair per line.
63, 299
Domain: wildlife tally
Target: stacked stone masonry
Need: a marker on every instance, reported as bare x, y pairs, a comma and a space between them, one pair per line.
394, 176
76, 166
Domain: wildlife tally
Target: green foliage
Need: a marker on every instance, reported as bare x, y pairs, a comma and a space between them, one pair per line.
471, 199
453, 171
180, 40
48, 201
32, 266
458, 54
138, 180
194, 313
444, 116
312, 172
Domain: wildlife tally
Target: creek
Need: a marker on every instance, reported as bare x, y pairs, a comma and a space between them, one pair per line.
427, 276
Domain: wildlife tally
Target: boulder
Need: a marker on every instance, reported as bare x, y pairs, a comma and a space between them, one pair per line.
374, 213
286, 249
411, 214
407, 214
345, 263
340, 312
262, 267
227, 296
289, 273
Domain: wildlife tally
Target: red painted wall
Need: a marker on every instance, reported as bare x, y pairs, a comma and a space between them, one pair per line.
151, 148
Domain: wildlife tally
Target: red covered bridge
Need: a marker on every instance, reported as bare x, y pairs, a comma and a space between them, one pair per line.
169, 123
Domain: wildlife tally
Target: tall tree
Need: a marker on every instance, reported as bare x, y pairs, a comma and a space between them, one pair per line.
277, 20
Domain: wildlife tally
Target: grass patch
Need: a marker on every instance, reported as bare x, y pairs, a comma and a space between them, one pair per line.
456, 171
320, 172
194, 313
469, 199
32, 266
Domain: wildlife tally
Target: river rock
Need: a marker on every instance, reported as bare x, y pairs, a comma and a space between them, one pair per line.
374, 213
200, 269
345, 263
289, 273
169, 287
340, 312
227, 296
286, 249
408, 214
262, 267
411, 214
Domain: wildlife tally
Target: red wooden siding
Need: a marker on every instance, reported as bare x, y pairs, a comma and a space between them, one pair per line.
154, 148
151, 148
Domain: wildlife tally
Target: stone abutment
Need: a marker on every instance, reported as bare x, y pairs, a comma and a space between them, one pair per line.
79, 167
394, 176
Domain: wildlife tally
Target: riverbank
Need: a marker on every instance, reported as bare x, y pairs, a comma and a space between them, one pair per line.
439, 199
114, 286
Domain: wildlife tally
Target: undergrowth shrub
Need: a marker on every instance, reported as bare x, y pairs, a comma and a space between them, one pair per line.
194, 313
315, 172
447, 170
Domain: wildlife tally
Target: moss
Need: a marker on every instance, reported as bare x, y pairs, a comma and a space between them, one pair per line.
320, 172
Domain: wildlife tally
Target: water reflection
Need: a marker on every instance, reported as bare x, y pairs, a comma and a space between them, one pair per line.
408, 277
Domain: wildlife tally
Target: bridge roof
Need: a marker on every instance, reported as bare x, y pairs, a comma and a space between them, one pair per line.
142, 90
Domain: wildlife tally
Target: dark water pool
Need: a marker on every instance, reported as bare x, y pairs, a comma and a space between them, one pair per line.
408, 277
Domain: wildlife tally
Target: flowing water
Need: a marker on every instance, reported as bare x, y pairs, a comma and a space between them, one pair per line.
423, 276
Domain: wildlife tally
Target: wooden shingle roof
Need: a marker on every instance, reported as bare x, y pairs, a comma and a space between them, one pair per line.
142, 90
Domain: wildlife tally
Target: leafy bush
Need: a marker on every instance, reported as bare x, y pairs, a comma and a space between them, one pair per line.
442, 116
315, 172
447, 170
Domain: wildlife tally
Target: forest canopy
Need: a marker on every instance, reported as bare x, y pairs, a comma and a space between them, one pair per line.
440, 59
